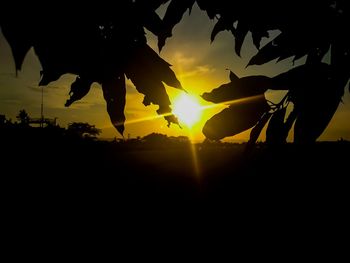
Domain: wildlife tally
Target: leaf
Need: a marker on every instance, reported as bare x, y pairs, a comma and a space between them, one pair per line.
145, 11
313, 118
79, 88
152, 65
172, 17
222, 24
235, 119
240, 34
238, 88
223, 93
55, 60
316, 54
316, 94
257, 35
255, 132
305, 78
19, 40
153, 23
276, 132
209, 6
340, 59
267, 53
49, 76
290, 120
286, 54
114, 93
168, 116
147, 71
283, 46
316, 107
233, 77
298, 56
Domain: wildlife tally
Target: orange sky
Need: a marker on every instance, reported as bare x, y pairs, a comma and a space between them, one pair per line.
199, 65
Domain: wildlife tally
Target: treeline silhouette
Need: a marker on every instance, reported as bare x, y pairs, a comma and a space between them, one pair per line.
27, 126
24, 131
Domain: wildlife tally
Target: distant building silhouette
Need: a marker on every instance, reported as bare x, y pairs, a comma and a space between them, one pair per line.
43, 121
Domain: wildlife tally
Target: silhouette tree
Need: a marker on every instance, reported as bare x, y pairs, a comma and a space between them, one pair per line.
83, 130
105, 42
101, 43
315, 89
23, 118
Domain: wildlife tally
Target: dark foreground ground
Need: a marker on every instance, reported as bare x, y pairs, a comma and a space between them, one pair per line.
46, 171
69, 189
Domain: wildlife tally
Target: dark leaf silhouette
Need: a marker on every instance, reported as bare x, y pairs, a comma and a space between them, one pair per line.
290, 121
223, 24
316, 95
312, 122
285, 46
146, 11
99, 48
111, 43
19, 40
173, 16
276, 132
312, 89
114, 92
147, 71
257, 35
79, 88
313, 118
146, 65
240, 34
255, 132
239, 88
236, 118
269, 52
340, 59
312, 77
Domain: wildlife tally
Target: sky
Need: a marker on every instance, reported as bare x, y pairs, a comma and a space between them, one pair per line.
199, 65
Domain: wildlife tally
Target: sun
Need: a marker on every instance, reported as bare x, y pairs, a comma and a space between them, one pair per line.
187, 109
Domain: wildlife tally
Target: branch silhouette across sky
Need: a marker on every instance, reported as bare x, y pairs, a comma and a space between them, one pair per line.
105, 43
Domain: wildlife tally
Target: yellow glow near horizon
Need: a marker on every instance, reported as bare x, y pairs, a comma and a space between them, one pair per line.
187, 109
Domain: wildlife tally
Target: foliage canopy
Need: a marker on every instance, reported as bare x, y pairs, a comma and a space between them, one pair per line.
105, 42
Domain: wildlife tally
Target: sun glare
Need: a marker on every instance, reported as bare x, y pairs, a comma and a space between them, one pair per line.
187, 109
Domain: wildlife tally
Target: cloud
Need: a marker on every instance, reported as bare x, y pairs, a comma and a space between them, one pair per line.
185, 61
52, 87
85, 105
198, 71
